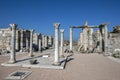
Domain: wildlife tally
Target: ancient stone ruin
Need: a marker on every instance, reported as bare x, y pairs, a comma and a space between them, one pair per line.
23, 40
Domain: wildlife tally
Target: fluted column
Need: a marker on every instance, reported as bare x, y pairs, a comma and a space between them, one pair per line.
56, 58
31, 43
71, 39
62, 42
13, 43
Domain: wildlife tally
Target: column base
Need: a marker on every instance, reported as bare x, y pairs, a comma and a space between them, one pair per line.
56, 64
11, 61
31, 55
62, 56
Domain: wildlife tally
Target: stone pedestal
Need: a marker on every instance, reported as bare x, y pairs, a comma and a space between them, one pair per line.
62, 42
13, 43
71, 39
31, 43
56, 58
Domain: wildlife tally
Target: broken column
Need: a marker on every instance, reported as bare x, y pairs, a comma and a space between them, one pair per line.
70, 38
62, 42
56, 58
31, 43
13, 43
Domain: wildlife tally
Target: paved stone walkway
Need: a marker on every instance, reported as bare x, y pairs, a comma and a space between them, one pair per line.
80, 67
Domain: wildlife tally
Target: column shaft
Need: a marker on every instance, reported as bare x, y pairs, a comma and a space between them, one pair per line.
21, 43
13, 43
56, 58
71, 39
31, 43
62, 41
105, 38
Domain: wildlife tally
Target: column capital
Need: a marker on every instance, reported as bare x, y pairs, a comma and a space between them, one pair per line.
62, 30
56, 25
13, 26
32, 30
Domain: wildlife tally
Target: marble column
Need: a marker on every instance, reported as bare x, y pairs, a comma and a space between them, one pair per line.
62, 42
40, 43
105, 37
31, 43
13, 43
50, 41
27, 43
17, 40
46, 41
71, 39
21, 41
56, 55
43, 41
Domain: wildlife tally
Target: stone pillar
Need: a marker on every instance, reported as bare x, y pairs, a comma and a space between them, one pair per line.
62, 42
21, 41
27, 43
13, 43
71, 39
40, 43
31, 43
105, 38
46, 41
17, 40
50, 41
43, 45
56, 58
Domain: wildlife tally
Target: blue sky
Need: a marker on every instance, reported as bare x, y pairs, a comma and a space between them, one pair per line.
41, 14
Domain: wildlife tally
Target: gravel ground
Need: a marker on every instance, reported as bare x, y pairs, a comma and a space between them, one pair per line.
80, 67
